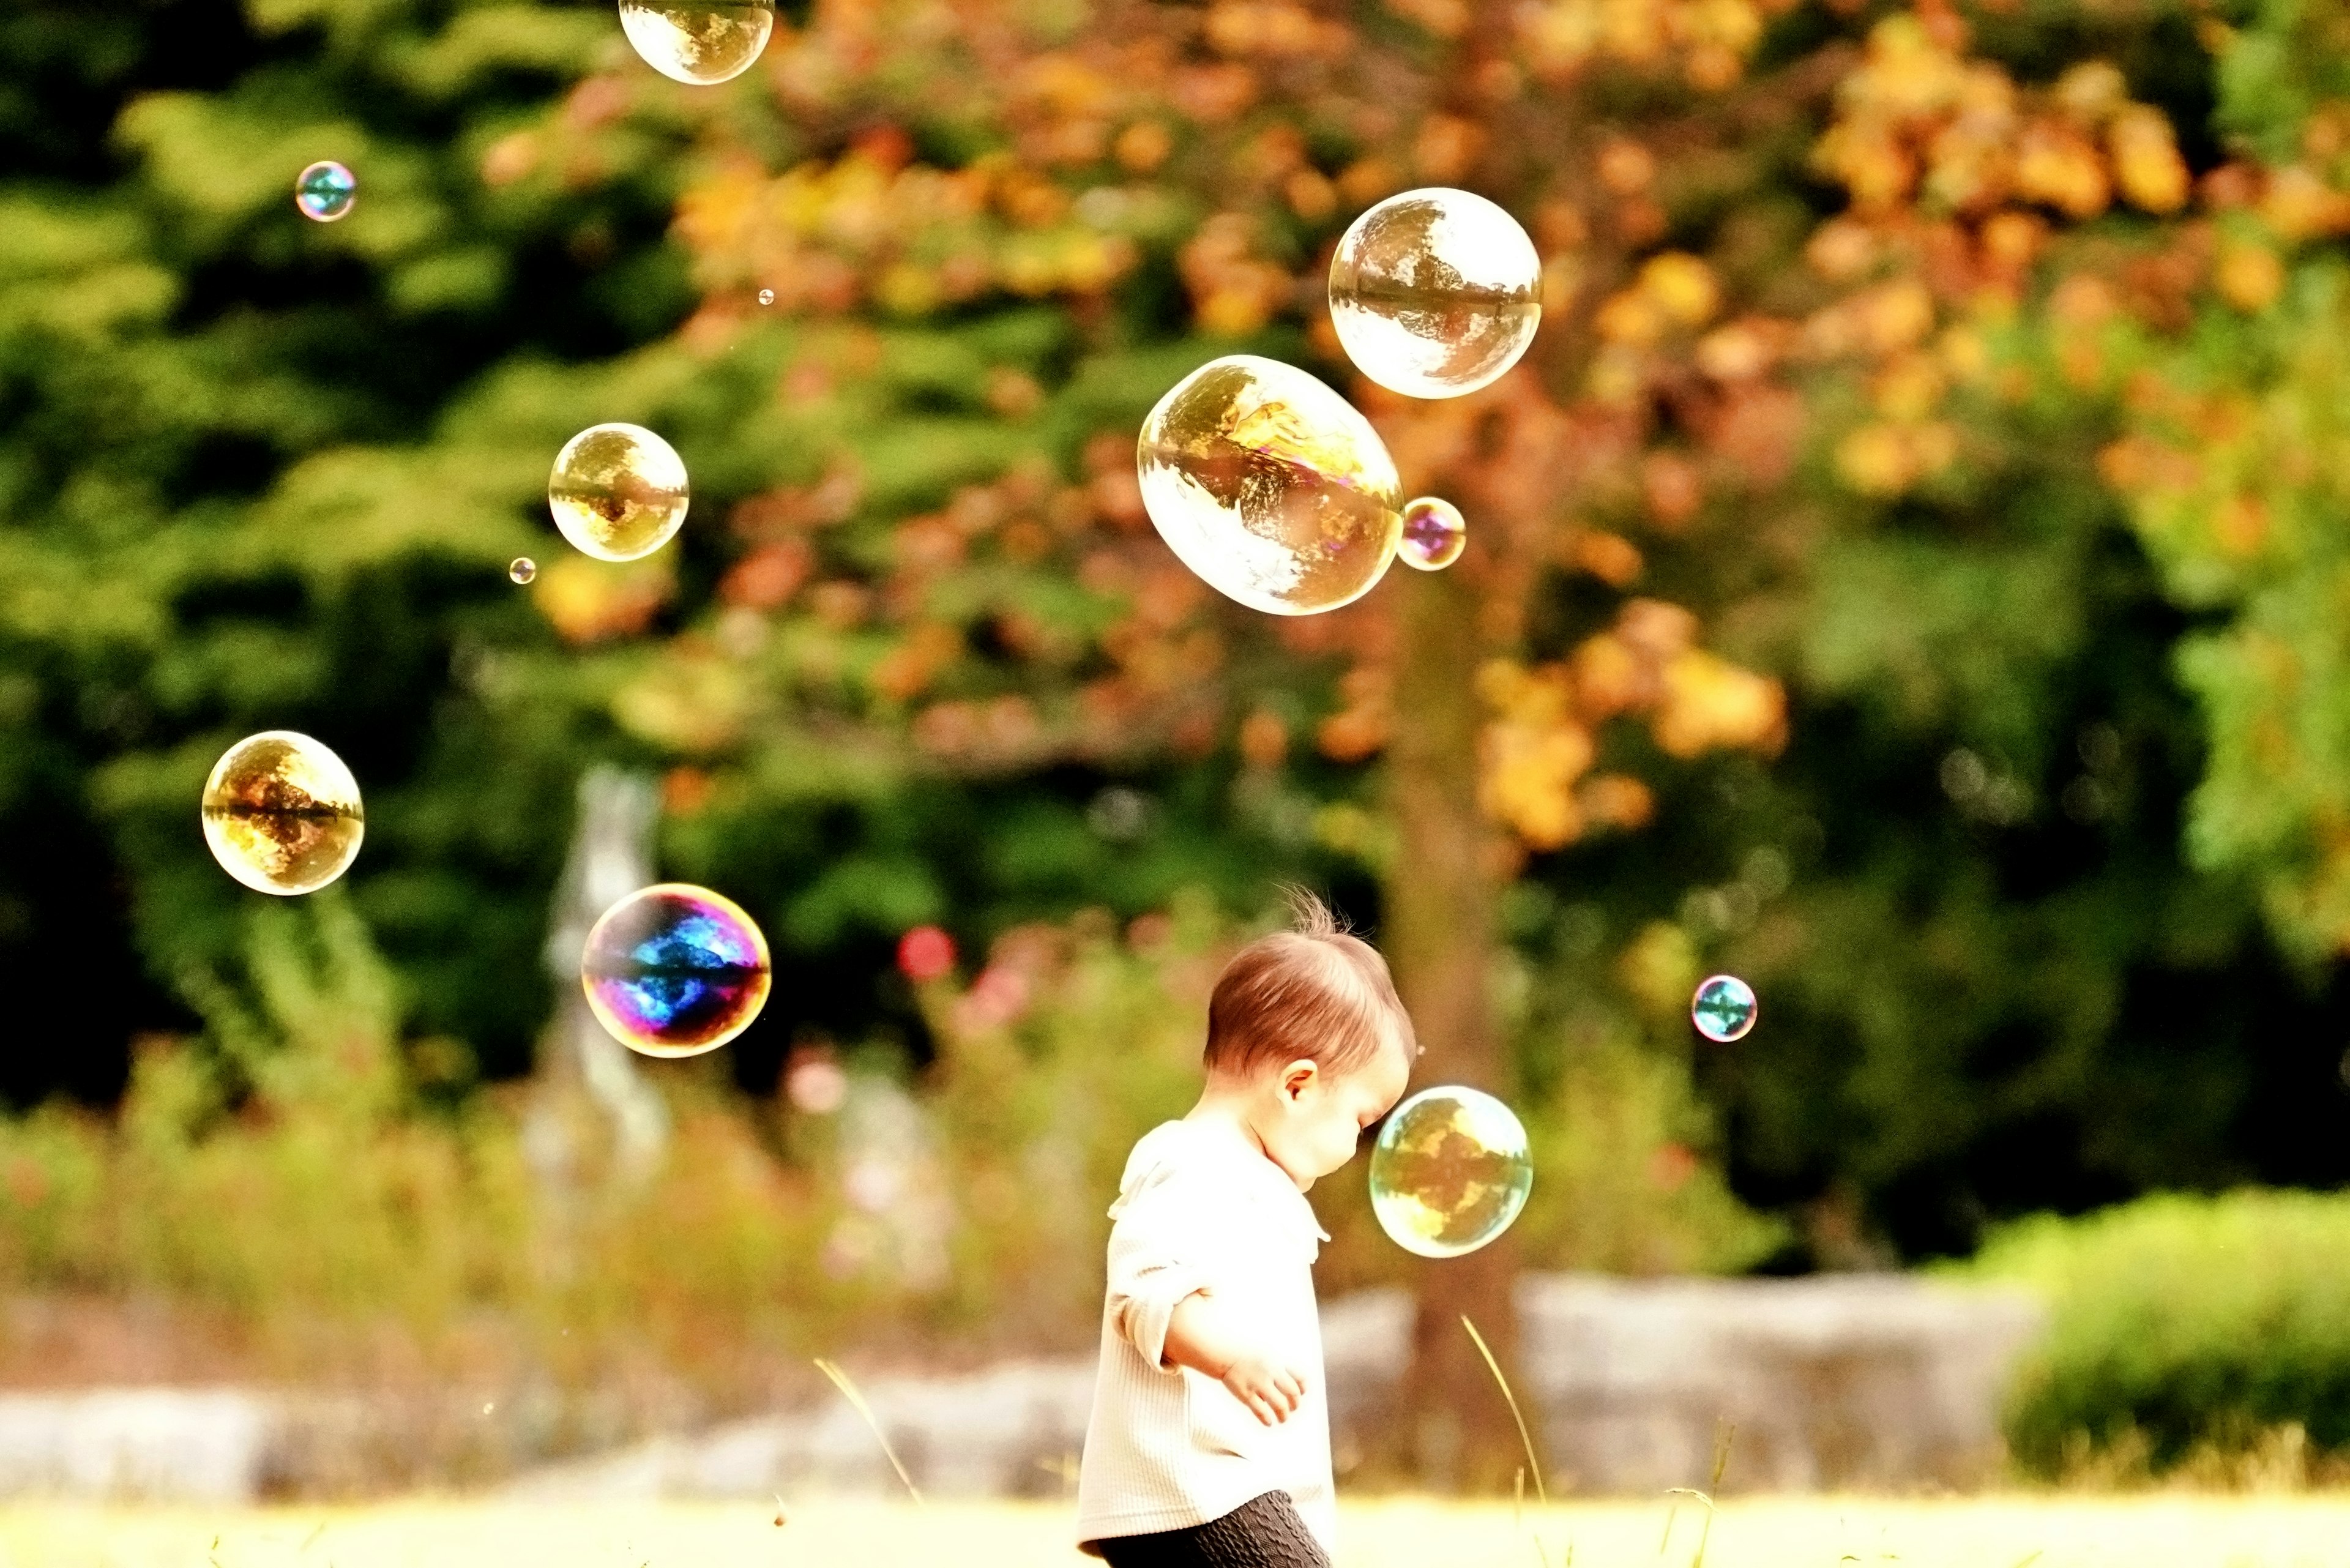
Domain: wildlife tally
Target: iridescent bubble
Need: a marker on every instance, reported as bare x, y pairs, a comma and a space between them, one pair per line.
1723, 1008
282, 814
1269, 486
1435, 291
326, 191
1450, 1171
766, 297
617, 491
522, 569
675, 970
698, 42
1434, 534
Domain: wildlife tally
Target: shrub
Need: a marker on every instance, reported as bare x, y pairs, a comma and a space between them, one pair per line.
307, 1177
2183, 1324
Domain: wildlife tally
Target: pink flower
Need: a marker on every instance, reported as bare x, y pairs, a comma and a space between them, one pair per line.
925, 953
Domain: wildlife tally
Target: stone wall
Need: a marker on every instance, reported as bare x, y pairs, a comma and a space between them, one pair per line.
1835, 1381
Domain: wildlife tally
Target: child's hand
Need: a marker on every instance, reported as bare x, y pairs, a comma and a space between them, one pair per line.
1269, 1389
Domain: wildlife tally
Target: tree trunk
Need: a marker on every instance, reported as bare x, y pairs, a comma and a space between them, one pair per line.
1439, 899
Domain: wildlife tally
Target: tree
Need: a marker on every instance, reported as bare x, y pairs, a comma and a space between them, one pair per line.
1913, 386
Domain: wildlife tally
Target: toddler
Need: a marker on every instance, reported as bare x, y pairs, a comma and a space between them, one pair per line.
1209, 1446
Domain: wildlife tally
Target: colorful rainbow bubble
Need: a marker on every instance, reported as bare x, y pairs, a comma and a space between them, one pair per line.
675, 970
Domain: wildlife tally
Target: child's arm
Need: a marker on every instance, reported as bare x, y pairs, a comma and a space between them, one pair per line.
1162, 1301
1200, 1335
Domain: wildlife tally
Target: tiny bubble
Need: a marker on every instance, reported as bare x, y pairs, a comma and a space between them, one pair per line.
766, 297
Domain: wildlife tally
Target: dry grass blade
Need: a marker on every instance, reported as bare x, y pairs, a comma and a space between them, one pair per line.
1725, 1434
1704, 1531
1542, 1492
857, 1401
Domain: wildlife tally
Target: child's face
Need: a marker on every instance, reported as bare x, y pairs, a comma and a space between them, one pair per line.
1314, 1118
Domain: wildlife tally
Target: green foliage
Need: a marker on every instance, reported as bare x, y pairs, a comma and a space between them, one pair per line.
2182, 1322
223, 506
2067, 768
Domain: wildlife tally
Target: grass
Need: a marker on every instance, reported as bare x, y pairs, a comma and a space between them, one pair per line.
2156, 1530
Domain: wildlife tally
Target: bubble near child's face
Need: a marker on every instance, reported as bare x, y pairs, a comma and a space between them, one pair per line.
326, 191
281, 814
1450, 1172
1723, 1009
617, 491
1435, 293
675, 970
1271, 487
698, 42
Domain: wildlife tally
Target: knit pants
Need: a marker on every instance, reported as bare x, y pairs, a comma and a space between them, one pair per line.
1264, 1532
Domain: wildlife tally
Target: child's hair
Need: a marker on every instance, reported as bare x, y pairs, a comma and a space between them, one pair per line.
1316, 992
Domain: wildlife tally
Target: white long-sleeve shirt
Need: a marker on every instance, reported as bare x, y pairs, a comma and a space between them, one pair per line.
1200, 1209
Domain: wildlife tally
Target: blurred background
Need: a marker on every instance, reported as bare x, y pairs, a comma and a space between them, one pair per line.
1910, 571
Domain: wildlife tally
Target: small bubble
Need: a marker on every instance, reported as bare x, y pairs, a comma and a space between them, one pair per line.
325, 191
1723, 1009
489, 1407
766, 297
1433, 534
523, 569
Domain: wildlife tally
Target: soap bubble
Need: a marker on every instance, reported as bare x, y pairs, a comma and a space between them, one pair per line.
698, 42
617, 491
1723, 1008
1450, 1171
1435, 291
766, 297
675, 970
282, 814
326, 191
1269, 486
1434, 534
523, 569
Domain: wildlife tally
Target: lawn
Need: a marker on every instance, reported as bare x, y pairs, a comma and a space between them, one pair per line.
2162, 1531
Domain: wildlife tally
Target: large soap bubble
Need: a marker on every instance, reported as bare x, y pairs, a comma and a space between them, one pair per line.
325, 191
1723, 1008
698, 42
281, 813
675, 970
1450, 1171
1435, 291
617, 491
1269, 486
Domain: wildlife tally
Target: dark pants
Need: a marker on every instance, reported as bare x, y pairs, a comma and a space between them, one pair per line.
1262, 1532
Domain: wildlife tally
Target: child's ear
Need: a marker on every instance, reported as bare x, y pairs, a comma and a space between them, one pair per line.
1297, 1076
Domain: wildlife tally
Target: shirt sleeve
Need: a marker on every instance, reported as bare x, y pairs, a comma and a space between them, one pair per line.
1160, 1251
